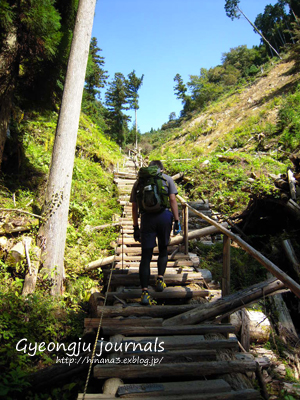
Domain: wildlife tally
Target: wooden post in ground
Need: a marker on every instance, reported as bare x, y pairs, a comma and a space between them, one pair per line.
186, 227
271, 267
226, 266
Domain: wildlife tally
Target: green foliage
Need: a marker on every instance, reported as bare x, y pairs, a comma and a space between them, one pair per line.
36, 318
238, 65
95, 77
245, 271
289, 122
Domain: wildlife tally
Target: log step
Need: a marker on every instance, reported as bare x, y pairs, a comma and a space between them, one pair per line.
164, 331
178, 371
173, 356
170, 279
177, 342
122, 322
168, 293
180, 257
177, 263
138, 250
246, 394
139, 310
174, 388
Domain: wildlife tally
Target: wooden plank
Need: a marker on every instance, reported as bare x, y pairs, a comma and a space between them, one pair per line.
138, 250
179, 370
227, 304
178, 356
174, 388
128, 270
177, 257
168, 293
170, 330
122, 322
177, 342
170, 279
138, 310
177, 263
246, 394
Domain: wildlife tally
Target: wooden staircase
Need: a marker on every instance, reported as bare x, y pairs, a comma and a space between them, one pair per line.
169, 362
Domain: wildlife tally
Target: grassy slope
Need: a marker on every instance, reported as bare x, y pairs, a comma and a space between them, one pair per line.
241, 126
92, 203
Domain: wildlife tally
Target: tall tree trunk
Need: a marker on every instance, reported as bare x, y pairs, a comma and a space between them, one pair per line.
262, 36
136, 144
5, 113
52, 234
9, 66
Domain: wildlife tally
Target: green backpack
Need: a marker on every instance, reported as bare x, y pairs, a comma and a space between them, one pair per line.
152, 195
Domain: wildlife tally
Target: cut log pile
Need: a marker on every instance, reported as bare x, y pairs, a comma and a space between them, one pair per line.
149, 356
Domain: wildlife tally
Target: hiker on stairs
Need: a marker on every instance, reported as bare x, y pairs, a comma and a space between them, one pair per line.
152, 195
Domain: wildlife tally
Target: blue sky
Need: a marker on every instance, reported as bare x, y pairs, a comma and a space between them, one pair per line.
160, 38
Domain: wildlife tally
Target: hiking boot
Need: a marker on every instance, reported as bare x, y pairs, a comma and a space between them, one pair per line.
160, 285
145, 298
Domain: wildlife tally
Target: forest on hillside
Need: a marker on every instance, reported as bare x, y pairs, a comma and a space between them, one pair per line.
35, 42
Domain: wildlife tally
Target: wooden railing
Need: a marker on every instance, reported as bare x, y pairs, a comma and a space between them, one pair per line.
228, 236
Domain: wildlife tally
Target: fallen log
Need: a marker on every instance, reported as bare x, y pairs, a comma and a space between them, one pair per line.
227, 304
292, 184
177, 176
101, 227
286, 279
100, 263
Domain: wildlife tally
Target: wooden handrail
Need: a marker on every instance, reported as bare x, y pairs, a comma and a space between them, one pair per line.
271, 267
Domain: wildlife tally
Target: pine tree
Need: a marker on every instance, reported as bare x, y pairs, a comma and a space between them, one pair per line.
116, 102
96, 77
133, 85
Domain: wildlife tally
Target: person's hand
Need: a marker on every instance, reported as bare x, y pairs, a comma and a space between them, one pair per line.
137, 233
176, 227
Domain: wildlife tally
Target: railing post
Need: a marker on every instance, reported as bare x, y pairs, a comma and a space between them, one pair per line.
226, 266
185, 210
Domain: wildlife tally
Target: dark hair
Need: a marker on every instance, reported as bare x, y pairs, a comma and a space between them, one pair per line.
157, 163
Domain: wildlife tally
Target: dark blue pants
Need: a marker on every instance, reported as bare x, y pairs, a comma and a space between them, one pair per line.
155, 225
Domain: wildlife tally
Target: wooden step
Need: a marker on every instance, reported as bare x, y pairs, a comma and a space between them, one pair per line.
178, 370
153, 269
201, 329
174, 388
138, 250
138, 310
170, 264
246, 394
180, 257
122, 322
168, 293
174, 356
170, 279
